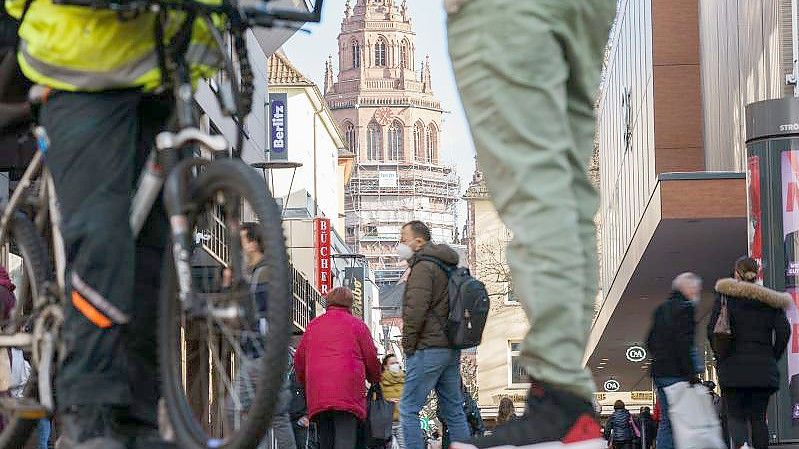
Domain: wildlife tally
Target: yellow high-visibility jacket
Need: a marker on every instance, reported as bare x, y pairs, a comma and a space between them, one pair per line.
77, 48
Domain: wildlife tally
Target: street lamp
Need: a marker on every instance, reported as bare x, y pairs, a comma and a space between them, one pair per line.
278, 165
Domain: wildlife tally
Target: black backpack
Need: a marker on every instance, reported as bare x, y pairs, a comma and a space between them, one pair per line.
468, 305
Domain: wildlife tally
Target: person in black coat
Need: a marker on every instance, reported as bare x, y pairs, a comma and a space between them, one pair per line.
648, 427
748, 372
619, 430
671, 345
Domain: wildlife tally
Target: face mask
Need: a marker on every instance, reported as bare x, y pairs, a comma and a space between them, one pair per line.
394, 367
404, 251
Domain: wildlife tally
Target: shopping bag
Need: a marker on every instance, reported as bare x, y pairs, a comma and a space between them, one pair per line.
379, 418
694, 422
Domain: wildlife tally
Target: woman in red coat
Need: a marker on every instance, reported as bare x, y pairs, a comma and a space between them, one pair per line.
335, 358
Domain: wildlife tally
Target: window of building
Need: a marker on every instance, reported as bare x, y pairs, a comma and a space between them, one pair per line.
380, 53
517, 375
510, 294
356, 54
405, 55
395, 141
351, 137
374, 142
432, 143
418, 141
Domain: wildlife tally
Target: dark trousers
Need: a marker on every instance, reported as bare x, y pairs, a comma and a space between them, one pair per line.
337, 430
746, 416
99, 142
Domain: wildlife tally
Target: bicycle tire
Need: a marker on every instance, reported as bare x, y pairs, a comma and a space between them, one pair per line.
18, 430
232, 175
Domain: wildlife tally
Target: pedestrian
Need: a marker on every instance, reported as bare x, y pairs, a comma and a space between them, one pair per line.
335, 359
648, 427
718, 404
431, 362
392, 382
528, 73
473, 418
506, 411
304, 430
281, 432
619, 431
748, 373
671, 345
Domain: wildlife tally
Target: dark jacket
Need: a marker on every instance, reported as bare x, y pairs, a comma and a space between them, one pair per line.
671, 338
426, 302
760, 332
648, 427
618, 427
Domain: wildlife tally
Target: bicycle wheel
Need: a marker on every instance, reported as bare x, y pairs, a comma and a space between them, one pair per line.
223, 362
24, 253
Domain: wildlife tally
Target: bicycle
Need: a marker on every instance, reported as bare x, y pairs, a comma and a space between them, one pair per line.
201, 322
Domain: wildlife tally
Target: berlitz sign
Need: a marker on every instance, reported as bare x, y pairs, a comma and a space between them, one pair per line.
324, 279
278, 126
612, 385
636, 354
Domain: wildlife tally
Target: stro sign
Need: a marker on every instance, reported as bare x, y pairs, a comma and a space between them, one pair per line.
636, 354
612, 385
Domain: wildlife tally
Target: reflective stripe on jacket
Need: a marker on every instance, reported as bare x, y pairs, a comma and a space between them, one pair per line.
76, 48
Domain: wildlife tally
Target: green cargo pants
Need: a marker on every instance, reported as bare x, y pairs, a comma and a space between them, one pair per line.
528, 72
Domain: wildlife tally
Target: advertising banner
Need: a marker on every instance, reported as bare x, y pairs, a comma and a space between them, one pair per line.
278, 126
324, 278
789, 170
755, 228
354, 280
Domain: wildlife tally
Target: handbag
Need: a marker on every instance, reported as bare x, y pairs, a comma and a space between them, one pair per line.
379, 418
694, 422
722, 332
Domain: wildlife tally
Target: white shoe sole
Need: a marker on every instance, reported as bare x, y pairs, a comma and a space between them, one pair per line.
598, 443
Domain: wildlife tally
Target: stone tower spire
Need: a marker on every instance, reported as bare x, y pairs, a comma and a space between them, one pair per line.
347, 9
427, 79
329, 75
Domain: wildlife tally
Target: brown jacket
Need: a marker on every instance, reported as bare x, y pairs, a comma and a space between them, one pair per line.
425, 305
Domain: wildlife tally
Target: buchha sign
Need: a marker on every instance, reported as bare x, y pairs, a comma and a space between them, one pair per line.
324, 279
278, 126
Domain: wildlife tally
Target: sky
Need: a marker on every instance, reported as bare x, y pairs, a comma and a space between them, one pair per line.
309, 51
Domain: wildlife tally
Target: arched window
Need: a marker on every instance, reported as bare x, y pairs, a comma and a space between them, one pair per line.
356, 54
395, 141
432, 143
351, 137
418, 141
405, 59
380, 53
374, 142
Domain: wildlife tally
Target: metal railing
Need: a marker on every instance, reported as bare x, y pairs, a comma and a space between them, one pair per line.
306, 298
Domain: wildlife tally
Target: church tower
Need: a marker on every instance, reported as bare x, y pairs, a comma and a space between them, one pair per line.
383, 101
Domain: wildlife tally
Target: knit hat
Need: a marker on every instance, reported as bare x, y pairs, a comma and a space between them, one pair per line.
340, 296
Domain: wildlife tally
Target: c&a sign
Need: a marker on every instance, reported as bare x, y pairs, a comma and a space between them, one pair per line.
324, 278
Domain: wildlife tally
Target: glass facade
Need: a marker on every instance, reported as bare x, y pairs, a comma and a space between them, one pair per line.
626, 134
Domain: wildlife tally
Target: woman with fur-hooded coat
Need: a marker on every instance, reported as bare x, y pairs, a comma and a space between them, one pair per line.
748, 373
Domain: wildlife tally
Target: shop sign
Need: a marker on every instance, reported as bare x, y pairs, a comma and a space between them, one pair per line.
642, 396
387, 179
354, 279
636, 354
324, 278
279, 126
612, 385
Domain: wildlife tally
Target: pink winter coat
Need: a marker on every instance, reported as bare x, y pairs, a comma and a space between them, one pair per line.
335, 358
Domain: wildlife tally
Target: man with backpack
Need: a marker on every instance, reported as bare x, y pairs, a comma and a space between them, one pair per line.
432, 361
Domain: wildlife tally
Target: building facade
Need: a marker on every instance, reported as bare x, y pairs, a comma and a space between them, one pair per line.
671, 155
498, 371
391, 120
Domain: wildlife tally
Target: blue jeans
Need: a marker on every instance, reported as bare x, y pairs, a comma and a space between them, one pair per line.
429, 369
44, 433
665, 439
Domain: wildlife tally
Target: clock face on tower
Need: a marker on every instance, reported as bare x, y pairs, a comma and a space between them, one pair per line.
383, 116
